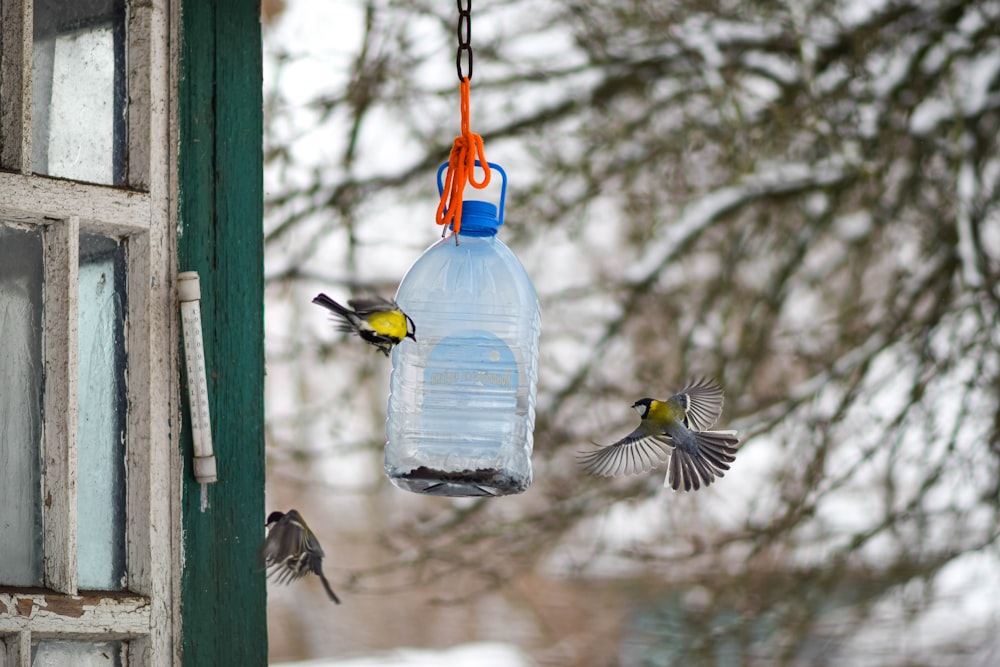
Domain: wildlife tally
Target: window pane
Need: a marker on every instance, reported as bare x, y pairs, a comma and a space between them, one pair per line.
60, 653
78, 119
21, 368
10, 651
102, 400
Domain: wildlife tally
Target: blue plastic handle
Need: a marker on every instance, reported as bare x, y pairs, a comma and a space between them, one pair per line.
503, 184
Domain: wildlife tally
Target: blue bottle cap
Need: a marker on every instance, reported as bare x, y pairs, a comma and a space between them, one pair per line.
479, 218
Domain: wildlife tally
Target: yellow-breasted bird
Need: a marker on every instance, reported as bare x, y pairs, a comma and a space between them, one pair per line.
291, 551
376, 320
675, 429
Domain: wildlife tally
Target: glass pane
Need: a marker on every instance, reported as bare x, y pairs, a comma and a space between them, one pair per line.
21, 275
60, 653
78, 115
10, 651
102, 400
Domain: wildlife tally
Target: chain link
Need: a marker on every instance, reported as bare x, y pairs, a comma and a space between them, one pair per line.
464, 32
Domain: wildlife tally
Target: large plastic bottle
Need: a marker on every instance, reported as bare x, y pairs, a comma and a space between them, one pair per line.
462, 401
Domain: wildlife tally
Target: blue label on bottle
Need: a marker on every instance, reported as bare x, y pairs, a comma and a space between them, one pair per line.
472, 361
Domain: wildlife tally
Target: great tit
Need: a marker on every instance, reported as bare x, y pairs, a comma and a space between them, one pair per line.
378, 321
291, 551
675, 429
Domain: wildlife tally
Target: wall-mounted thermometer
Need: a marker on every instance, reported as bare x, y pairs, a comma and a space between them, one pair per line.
189, 293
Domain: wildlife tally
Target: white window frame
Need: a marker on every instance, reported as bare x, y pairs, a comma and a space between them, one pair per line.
146, 613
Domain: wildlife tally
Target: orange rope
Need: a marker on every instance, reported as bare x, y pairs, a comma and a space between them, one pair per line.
462, 167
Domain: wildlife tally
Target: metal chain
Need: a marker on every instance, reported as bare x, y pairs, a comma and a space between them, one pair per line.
464, 32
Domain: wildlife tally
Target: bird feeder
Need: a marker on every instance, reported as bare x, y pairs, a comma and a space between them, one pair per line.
462, 402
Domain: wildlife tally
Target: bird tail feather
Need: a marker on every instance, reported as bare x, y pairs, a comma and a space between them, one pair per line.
351, 320
715, 451
329, 591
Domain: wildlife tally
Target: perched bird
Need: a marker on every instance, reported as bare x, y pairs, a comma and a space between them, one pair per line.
675, 429
291, 551
378, 321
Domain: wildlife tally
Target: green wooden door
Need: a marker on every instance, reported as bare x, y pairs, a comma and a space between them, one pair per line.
223, 593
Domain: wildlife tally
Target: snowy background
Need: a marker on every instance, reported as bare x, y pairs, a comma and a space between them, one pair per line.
799, 198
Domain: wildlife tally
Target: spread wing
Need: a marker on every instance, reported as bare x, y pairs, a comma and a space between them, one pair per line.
702, 401
287, 550
371, 304
635, 453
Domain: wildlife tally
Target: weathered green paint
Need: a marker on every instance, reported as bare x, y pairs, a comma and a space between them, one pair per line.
223, 594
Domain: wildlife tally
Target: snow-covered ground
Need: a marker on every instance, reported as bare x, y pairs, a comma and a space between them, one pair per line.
484, 654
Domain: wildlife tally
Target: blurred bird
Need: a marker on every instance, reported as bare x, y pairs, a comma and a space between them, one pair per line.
378, 321
676, 429
291, 551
